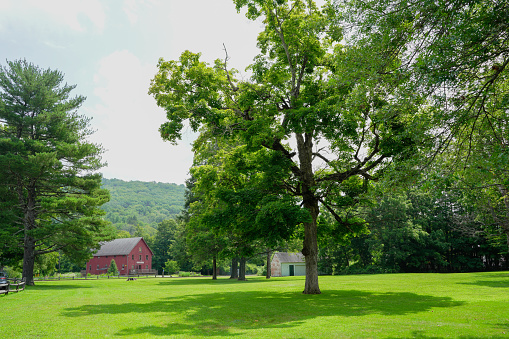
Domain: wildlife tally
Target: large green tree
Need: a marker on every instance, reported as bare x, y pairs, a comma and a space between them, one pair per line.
47, 162
245, 201
297, 103
455, 56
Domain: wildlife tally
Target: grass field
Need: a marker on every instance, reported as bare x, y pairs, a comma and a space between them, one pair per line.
471, 305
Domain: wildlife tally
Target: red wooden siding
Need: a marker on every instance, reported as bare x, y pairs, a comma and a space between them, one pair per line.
140, 257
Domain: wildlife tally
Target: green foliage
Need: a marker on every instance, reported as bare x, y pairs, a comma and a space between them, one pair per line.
45, 264
453, 55
413, 87
48, 164
112, 269
143, 204
242, 207
325, 124
171, 267
12, 272
166, 234
66, 265
415, 231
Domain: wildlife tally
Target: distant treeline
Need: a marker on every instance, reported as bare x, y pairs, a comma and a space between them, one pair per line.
136, 205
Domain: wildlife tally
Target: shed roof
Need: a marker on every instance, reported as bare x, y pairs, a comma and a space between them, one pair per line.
118, 246
290, 257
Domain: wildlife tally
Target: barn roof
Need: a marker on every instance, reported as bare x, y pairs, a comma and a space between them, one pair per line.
290, 257
118, 246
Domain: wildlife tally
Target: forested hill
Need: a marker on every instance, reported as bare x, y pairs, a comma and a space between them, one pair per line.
141, 204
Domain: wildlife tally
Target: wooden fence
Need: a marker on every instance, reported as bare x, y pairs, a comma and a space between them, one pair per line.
12, 285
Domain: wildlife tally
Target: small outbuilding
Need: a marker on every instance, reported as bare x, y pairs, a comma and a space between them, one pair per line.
132, 256
286, 264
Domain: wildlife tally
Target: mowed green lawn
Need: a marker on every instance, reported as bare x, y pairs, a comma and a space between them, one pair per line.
472, 305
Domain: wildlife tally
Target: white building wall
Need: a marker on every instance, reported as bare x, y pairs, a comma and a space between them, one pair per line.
285, 270
298, 269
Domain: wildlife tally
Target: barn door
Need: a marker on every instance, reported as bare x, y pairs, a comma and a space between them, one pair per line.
292, 270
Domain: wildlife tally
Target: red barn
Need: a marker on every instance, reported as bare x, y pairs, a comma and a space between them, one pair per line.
132, 256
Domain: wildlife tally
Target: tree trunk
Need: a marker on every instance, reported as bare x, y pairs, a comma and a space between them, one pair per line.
234, 273
268, 264
214, 268
310, 202
29, 260
28, 241
242, 269
310, 252
505, 196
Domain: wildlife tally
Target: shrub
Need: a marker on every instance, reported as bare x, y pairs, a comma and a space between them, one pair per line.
370, 269
12, 272
171, 267
113, 269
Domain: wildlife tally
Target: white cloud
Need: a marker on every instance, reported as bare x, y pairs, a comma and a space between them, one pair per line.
127, 120
133, 9
130, 9
47, 14
110, 50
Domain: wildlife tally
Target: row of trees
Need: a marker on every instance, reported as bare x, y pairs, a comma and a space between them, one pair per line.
419, 230
340, 97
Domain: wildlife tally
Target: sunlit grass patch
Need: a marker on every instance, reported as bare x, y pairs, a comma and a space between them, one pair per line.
473, 305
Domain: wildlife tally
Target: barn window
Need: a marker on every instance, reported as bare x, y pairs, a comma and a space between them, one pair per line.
97, 266
140, 256
133, 256
146, 266
90, 267
140, 249
146, 256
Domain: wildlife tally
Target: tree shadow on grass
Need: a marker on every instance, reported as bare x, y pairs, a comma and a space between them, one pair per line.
495, 283
220, 313
206, 281
422, 335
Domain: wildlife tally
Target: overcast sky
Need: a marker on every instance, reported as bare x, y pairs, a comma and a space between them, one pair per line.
110, 49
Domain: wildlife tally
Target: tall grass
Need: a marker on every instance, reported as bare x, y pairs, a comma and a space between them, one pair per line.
473, 305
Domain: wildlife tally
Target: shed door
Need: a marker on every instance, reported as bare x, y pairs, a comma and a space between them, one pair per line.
292, 270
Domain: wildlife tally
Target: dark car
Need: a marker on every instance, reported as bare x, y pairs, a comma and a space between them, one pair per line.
3, 278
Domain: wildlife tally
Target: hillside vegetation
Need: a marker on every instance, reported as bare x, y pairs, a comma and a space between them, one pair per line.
137, 205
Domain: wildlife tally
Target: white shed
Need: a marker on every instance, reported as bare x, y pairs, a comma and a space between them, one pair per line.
286, 264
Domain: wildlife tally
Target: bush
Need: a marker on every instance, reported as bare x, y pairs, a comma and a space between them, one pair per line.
189, 274
171, 267
113, 269
12, 273
253, 269
370, 269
